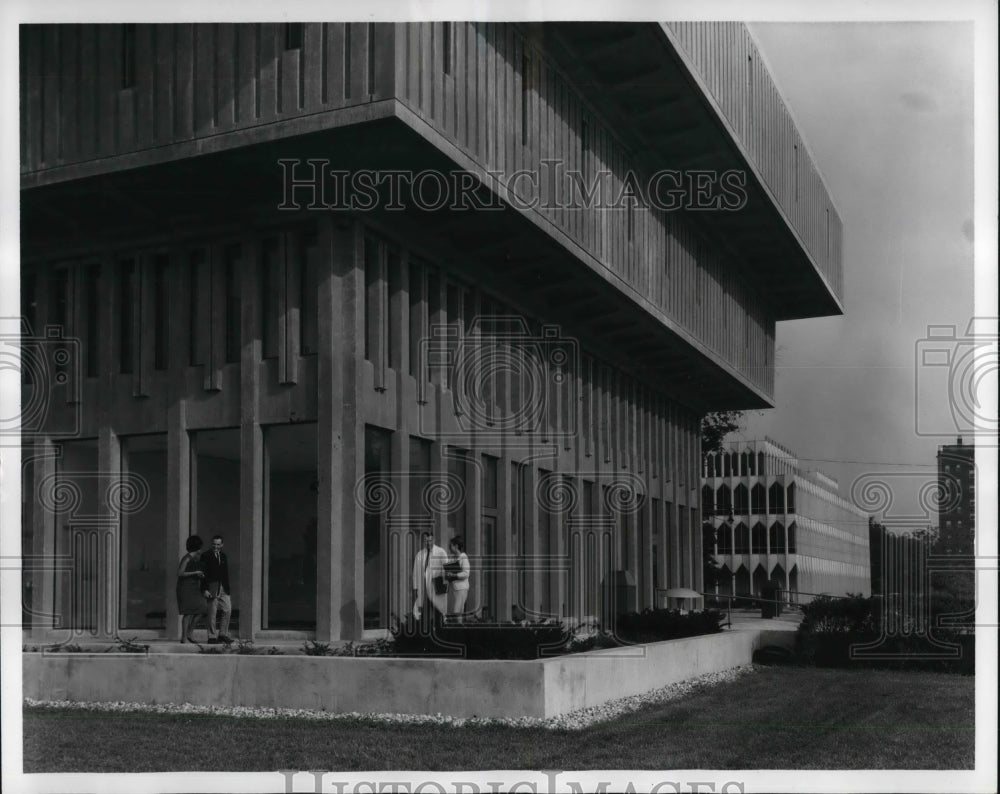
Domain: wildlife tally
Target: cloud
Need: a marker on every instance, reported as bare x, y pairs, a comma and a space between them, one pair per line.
918, 101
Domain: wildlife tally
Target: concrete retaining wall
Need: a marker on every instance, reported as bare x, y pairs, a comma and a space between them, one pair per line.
543, 688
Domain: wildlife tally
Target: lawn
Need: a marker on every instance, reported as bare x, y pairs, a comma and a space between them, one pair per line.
776, 718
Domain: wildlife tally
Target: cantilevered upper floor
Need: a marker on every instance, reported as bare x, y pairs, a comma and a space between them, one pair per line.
659, 156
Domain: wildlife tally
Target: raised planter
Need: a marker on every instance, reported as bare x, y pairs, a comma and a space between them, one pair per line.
459, 688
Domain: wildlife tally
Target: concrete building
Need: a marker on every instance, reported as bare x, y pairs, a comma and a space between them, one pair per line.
775, 521
957, 499
235, 325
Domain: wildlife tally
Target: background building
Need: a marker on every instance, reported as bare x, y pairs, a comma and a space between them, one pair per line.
221, 350
775, 521
957, 499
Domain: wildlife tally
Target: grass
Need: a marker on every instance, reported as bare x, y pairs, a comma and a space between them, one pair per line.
778, 718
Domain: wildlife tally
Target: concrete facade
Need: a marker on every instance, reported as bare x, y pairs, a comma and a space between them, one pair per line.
770, 520
232, 353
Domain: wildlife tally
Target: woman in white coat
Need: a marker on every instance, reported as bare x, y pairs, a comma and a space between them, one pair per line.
458, 576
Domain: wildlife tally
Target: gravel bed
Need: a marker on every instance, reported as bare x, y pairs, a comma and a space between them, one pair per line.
573, 721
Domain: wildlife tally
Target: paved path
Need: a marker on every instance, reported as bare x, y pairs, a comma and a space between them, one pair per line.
750, 620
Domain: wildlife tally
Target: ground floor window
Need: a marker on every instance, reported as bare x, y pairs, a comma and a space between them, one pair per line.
74, 499
215, 498
377, 496
291, 489
143, 531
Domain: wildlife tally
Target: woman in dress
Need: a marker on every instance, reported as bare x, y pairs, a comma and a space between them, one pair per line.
458, 575
190, 601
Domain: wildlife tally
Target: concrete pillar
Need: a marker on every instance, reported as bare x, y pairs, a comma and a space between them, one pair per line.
506, 550
340, 521
111, 505
47, 565
252, 473
178, 522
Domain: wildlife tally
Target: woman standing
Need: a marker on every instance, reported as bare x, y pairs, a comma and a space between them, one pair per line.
190, 601
457, 572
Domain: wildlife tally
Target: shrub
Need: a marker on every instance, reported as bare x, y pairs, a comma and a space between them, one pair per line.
831, 628
312, 648
129, 646
479, 640
655, 625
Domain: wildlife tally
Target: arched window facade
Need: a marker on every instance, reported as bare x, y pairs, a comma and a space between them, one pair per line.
707, 501
777, 538
741, 500
791, 498
758, 499
724, 539
776, 499
723, 500
759, 540
791, 538
708, 538
742, 540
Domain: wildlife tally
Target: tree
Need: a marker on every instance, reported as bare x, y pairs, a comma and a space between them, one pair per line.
716, 426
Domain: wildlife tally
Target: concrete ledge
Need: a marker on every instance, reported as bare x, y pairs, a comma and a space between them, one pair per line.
459, 688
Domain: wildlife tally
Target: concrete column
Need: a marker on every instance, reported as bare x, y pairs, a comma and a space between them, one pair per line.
533, 590
506, 551
644, 531
473, 522
398, 537
252, 473
110, 511
43, 538
340, 521
178, 523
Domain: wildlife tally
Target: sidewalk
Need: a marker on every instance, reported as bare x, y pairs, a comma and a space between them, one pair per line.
750, 620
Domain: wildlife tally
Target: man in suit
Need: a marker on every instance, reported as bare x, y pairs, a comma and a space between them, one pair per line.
428, 565
216, 590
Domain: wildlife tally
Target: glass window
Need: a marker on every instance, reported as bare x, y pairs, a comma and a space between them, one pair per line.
215, 506
143, 535
290, 527
74, 501
377, 467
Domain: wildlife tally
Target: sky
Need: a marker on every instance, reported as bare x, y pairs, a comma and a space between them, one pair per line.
887, 112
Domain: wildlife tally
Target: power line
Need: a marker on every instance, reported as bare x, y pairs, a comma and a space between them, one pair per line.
868, 462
